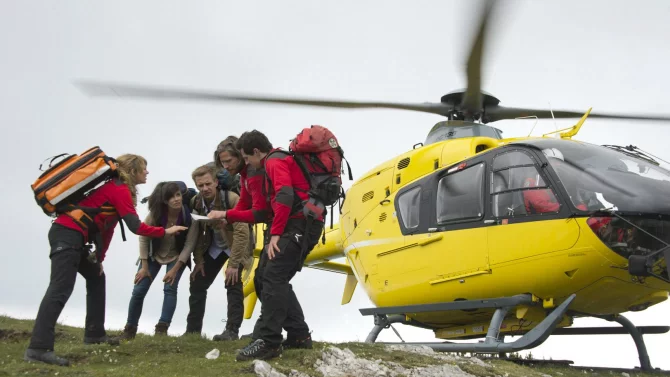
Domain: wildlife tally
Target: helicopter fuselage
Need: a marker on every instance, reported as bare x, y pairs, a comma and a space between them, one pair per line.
480, 217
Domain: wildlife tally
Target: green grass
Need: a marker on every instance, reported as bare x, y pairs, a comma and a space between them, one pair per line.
185, 356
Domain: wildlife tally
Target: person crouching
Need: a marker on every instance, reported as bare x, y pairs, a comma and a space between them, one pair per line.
165, 209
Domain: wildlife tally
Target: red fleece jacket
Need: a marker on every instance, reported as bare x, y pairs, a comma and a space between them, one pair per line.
117, 195
252, 206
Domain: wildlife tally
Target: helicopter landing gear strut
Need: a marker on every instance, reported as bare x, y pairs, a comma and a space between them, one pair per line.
492, 342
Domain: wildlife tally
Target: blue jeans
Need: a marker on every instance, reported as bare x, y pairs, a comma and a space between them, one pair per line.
140, 291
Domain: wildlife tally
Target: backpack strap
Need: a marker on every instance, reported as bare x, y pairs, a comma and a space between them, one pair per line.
225, 199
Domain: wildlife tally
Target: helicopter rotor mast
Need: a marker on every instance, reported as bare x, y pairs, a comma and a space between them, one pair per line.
469, 104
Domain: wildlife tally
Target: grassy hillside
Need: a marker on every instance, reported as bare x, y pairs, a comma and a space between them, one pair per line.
185, 356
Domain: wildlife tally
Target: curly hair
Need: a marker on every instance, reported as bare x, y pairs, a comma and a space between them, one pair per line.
129, 165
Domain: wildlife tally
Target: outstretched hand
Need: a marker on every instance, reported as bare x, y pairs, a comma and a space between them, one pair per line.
174, 230
217, 215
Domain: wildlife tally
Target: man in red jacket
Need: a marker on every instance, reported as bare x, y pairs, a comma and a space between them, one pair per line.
286, 190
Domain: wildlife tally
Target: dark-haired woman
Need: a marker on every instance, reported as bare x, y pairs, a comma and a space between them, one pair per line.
165, 210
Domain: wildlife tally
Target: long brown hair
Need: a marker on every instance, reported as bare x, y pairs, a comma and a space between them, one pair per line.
163, 192
129, 166
228, 145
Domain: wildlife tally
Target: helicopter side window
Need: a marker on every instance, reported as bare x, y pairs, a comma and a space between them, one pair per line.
459, 195
409, 205
517, 187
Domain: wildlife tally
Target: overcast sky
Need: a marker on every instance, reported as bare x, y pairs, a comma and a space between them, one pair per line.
611, 55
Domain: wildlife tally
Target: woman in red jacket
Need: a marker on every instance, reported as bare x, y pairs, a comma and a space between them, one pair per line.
69, 255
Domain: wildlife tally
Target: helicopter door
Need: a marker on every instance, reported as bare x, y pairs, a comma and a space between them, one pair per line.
455, 246
523, 205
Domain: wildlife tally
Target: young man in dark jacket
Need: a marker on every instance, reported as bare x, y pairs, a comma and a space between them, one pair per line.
286, 188
217, 243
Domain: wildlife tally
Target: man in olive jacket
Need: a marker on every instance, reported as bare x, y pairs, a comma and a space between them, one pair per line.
215, 244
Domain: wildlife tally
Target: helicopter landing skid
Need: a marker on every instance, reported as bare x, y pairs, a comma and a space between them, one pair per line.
385, 317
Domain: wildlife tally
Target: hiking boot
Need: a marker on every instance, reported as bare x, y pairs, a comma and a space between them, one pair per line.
295, 343
190, 332
161, 328
129, 332
258, 349
226, 335
112, 341
45, 356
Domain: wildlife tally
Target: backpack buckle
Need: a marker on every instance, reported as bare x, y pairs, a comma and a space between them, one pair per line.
313, 209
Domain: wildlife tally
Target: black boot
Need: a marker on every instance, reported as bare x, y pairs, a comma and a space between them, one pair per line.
227, 334
112, 341
292, 342
45, 356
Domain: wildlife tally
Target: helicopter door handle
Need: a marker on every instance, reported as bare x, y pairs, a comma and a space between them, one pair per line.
489, 222
429, 240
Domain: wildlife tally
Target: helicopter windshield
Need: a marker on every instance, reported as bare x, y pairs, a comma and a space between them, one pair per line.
598, 177
458, 129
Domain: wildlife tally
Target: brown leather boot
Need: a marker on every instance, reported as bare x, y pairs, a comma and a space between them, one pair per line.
161, 328
129, 333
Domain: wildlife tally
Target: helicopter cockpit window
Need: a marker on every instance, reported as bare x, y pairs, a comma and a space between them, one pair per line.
409, 205
597, 177
459, 195
518, 188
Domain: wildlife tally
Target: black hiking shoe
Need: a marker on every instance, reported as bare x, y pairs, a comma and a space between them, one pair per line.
258, 350
112, 341
226, 335
44, 356
295, 343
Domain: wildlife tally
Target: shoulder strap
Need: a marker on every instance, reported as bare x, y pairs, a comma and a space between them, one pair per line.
193, 203
226, 200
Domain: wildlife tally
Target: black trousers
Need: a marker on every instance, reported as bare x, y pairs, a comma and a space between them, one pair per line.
197, 301
67, 258
280, 307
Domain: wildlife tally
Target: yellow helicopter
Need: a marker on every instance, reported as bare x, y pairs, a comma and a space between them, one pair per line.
516, 236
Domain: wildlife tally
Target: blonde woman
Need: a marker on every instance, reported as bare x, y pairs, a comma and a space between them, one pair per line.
69, 255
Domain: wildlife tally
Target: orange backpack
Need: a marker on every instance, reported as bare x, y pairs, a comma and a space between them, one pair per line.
62, 186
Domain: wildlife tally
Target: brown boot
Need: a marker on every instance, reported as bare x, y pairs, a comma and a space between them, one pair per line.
161, 328
129, 333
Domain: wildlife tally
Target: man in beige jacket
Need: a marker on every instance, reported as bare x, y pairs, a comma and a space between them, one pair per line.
217, 243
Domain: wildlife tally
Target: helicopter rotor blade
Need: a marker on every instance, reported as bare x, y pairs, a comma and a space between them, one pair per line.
105, 89
496, 113
472, 99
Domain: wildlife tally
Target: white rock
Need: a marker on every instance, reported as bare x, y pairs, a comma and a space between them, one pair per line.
422, 350
480, 362
339, 363
263, 369
213, 354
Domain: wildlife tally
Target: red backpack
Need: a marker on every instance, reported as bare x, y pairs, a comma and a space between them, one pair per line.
319, 156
